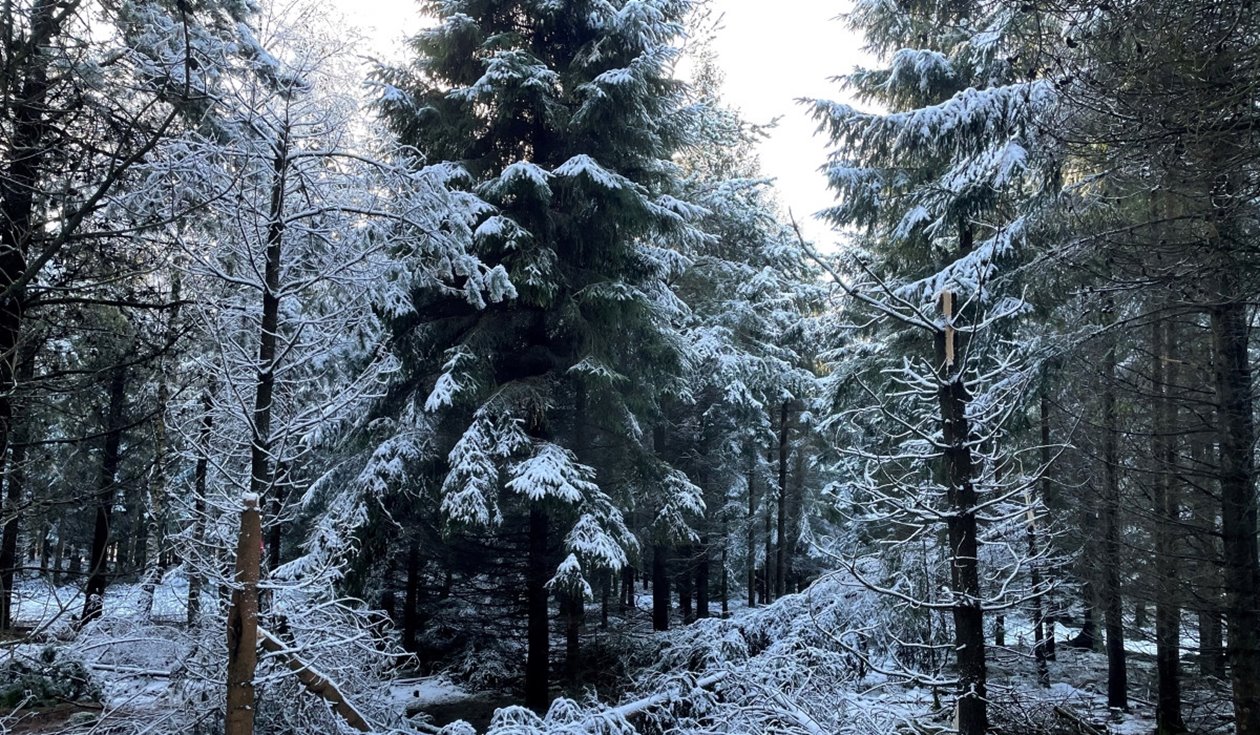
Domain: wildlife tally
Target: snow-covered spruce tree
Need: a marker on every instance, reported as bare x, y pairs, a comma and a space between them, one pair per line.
565, 117
941, 188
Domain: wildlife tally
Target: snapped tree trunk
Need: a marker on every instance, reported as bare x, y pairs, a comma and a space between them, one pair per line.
242, 626
958, 471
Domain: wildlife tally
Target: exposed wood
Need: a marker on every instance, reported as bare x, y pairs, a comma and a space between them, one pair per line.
242, 626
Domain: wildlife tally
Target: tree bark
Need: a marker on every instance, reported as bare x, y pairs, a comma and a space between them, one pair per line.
1235, 402
242, 627
751, 529
958, 470
1164, 377
781, 550
660, 587
538, 653
98, 575
411, 598
702, 579
201, 473
1113, 610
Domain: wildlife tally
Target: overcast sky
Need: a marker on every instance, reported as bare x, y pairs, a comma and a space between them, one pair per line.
773, 52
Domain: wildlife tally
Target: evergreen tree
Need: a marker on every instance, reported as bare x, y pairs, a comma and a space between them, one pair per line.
565, 117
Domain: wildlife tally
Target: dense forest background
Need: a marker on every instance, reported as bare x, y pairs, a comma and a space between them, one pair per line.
505, 367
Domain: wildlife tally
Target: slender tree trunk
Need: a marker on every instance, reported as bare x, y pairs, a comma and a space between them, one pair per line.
781, 550
201, 473
242, 627
411, 598
959, 474
660, 587
572, 605
98, 576
750, 540
15, 491
538, 654
1167, 516
1235, 401
1113, 609
684, 585
261, 464
702, 579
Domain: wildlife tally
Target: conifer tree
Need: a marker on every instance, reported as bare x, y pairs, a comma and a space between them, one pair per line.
941, 187
565, 117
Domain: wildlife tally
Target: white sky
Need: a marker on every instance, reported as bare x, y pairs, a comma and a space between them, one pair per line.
773, 52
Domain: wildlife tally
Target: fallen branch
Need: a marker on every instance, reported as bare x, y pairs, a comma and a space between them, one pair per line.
637, 706
315, 682
134, 671
1082, 725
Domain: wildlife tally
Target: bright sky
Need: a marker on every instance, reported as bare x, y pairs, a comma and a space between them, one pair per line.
772, 52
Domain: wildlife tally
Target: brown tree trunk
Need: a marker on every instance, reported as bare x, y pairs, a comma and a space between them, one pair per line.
242, 627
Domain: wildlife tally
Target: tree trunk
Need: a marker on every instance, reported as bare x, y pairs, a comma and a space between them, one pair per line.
261, 464
1166, 516
702, 579
1113, 610
25, 157
14, 493
573, 607
959, 475
411, 598
1230, 343
781, 550
98, 575
538, 654
751, 529
201, 473
684, 585
660, 587
242, 627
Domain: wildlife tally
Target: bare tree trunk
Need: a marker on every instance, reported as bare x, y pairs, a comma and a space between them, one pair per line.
702, 579
781, 551
538, 652
200, 475
1166, 516
98, 576
242, 627
958, 470
751, 529
1230, 342
410, 622
660, 587
1113, 610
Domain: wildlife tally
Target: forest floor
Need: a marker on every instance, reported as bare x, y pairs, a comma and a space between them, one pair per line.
127, 667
